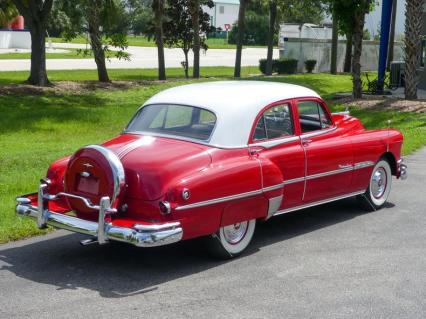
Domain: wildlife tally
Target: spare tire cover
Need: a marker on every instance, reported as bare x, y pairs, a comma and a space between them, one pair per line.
93, 172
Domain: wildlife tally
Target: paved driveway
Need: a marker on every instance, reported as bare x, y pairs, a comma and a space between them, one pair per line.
333, 261
145, 57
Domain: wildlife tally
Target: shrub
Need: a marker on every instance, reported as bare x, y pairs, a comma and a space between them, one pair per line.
310, 65
262, 65
286, 66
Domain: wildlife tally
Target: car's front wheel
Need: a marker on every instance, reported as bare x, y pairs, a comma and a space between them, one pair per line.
232, 240
380, 185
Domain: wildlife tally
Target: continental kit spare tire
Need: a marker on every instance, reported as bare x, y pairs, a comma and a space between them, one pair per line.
93, 172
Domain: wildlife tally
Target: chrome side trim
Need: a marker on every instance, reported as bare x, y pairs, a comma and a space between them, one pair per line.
324, 201
220, 200
363, 164
276, 142
344, 169
273, 187
337, 171
294, 180
274, 205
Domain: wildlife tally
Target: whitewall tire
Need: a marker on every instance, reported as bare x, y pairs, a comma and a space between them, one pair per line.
380, 185
230, 241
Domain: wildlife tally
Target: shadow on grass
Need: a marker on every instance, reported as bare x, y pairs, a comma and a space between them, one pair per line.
22, 112
119, 270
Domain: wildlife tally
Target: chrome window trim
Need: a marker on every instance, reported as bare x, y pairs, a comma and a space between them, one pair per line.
318, 132
276, 142
186, 139
324, 201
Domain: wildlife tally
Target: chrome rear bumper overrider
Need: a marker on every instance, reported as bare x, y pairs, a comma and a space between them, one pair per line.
141, 235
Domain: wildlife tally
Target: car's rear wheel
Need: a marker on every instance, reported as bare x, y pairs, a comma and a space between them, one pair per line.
230, 241
380, 186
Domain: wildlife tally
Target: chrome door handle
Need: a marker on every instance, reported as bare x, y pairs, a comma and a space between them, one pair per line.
306, 142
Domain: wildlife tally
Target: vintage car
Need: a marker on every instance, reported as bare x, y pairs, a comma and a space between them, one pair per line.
209, 160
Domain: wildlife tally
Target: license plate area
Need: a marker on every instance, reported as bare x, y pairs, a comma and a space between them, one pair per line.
89, 184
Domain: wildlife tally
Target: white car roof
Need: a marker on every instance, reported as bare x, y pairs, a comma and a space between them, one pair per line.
235, 104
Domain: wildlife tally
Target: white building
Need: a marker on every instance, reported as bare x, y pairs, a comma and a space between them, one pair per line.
224, 12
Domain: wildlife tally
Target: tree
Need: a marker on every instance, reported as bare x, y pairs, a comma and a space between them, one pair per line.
36, 14
413, 26
392, 34
158, 8
8, 12
361, 8
240, 37
273, 8
178, 28
334, 43
102, 21
194, 7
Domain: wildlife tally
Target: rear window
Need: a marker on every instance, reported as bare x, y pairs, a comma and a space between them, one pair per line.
178, 120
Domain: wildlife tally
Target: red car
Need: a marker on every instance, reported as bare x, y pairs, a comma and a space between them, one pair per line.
209, 160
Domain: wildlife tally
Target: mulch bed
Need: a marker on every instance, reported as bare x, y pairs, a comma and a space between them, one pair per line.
385, 103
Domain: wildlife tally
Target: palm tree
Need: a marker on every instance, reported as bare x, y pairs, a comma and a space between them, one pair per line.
158, 8
413, 25
240, 37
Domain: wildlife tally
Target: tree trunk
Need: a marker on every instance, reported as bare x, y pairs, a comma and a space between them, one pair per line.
195, 15
271, 33
356, 60
413, 25
158, 6
392, 35
186, 66
36, 15
348, 53
95, 40
334, 44
38, 74
240, 37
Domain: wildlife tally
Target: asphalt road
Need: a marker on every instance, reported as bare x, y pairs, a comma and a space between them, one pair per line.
333, 261
144, 57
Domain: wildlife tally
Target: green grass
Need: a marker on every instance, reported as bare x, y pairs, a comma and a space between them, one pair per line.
142, 41
72, 54
36, 129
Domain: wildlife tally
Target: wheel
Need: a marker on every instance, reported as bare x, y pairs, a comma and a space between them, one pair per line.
230, 241
380, 186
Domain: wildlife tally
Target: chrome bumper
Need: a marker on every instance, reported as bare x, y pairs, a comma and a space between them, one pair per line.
141, 235
403, 174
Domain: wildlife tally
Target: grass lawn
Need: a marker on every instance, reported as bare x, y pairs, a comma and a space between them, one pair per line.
36, 129
142, 41
72, 54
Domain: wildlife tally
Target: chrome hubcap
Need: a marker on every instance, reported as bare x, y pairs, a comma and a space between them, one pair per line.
378, 182
235, 233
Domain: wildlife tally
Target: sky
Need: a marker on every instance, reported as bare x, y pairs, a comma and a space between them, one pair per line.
373, 19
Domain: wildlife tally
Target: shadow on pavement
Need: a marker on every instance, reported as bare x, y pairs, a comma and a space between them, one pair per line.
119, 270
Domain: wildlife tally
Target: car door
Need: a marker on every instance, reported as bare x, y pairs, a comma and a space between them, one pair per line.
275, 138
329, 159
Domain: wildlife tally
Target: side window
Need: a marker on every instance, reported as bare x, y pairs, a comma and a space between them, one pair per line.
312, 116
275, 122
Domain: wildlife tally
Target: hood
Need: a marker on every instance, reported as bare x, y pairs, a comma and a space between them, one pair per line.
152, 165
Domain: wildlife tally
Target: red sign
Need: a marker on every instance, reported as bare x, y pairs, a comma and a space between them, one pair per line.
227, 26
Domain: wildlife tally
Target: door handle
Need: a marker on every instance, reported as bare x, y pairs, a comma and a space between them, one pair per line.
305, 142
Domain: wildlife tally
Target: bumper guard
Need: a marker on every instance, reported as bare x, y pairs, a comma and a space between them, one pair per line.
141, 235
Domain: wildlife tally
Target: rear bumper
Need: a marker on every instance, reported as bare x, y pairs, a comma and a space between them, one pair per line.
140, 235
402, 170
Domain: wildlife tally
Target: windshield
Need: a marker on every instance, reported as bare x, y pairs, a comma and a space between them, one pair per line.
179, 120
